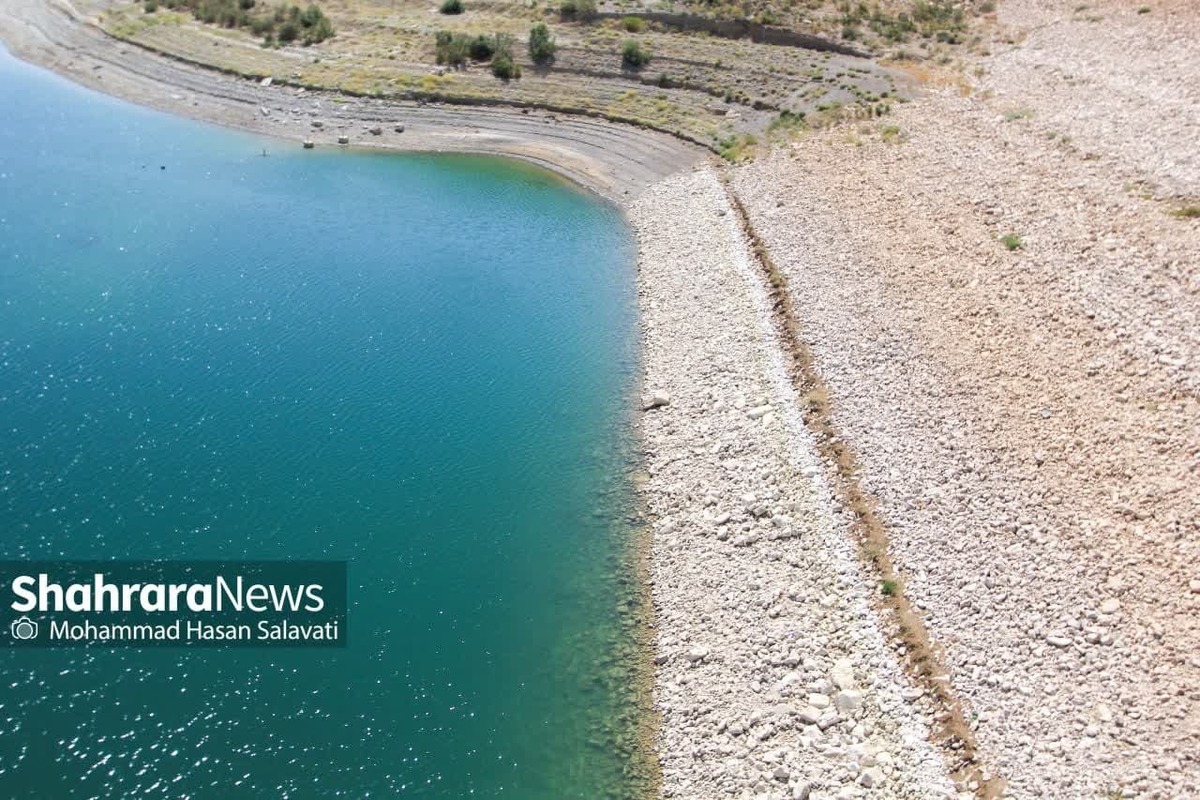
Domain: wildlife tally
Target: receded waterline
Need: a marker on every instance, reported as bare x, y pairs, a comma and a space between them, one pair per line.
422, 365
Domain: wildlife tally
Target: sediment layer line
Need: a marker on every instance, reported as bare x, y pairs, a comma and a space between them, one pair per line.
921, 656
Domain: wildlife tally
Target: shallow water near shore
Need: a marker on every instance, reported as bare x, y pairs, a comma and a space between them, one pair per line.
419, 364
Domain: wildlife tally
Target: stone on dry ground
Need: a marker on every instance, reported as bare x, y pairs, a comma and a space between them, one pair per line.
1029, 419
774, 679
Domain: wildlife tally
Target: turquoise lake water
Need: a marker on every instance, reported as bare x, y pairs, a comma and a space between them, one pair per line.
418, 364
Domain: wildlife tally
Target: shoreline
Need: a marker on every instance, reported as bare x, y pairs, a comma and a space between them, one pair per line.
615, 161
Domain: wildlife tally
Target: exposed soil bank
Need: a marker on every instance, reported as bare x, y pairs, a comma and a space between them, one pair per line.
614, 160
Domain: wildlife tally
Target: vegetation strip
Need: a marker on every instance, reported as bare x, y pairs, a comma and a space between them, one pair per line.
951, 730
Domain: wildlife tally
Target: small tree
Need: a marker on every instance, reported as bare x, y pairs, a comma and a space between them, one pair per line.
541, 44
482, 48
504, 68
633, 55
451, 7
503, 65
452, 48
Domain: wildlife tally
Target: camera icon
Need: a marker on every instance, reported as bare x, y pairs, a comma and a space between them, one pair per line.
24, 629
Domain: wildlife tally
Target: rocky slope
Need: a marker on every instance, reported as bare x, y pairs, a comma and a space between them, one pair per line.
1026, 410
774, 677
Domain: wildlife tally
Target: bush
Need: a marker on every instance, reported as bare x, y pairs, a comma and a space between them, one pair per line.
150, 6
1012, 241
788, 123
541, 44
633, 55
281, 23
456, 48
578, 9
451, 7
736, 149
452, 48
482, 48
503, 66
633, 24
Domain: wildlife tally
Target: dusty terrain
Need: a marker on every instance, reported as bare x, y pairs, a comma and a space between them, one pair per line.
1028, 418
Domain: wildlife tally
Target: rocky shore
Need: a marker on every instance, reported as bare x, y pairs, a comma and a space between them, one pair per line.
774, 677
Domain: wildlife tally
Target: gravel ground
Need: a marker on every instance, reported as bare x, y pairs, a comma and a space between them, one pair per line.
1029, 419
774, 679
1120, 75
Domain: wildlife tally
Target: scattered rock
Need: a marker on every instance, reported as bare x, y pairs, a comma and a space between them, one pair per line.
871, 777
848, 701
842, 674
657, 399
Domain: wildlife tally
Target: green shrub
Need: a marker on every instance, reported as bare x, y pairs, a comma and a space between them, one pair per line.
1186, 212
504, 68
633, 55
633, 24
737, 148
1012, 241
456, 48
482, 48
788, 123
452, 48
541, 44
282, 23
150, 6
578, 9
451, 7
